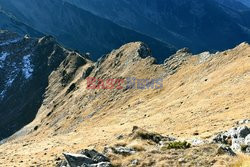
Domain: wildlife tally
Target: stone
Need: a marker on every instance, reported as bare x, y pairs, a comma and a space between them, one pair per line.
236, 144
196, 142
63, 164
237, 138
135, 162
119, 137
223, 149
247, 150
244, 121
104, 164
242, 132
204, 56
174, 62
123, 150
101, 164
107, 150
234, 133
87, 72
94, 155
181, 160
75, 160
144, 51
221, 138
247, 140
86, 158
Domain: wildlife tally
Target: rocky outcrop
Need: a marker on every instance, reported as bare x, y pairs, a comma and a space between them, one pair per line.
223, 149
145, 135
237, 138
144, 148
173, 63
123, 58
86, 158
125, 151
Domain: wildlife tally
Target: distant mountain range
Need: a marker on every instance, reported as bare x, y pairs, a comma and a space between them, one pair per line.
245, 2
98, 26
8, 22
199, 25
76, 28
239, 5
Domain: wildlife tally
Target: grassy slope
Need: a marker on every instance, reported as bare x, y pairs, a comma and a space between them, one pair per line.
201, 97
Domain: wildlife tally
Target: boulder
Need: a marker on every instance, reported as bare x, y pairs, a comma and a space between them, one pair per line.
242, 132
247, 150
86, 158
101, 164
237, 144
237, 138
222, 138
244, 121
135, 162
75, 160
196, 142
234, 133
247, 140
123, 150
223, 149
94, 155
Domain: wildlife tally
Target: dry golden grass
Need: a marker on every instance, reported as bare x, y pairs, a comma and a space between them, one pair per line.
241, 161
204, 97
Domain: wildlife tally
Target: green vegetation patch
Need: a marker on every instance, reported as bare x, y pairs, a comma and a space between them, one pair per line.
176, 145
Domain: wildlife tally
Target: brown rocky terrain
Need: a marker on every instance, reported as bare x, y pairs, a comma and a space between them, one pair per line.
202, 95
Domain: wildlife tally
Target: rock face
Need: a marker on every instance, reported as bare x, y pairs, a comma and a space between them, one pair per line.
237, 138
87, 158
174, 62
26, 64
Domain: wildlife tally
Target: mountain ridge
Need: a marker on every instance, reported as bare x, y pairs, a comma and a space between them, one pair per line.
195, 98
27, 63
126, 98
